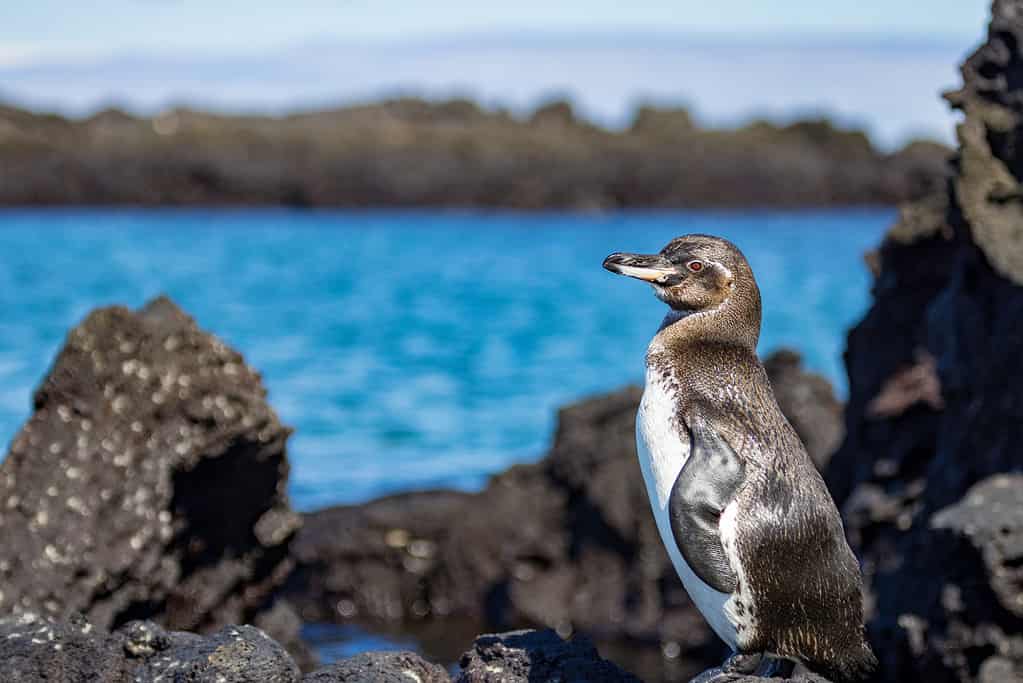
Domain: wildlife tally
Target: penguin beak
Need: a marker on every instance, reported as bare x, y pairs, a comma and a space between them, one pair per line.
652, 268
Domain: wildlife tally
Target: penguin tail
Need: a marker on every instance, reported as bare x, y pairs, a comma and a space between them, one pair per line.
851, 666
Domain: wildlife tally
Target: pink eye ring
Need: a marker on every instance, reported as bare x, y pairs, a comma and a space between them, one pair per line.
695, 266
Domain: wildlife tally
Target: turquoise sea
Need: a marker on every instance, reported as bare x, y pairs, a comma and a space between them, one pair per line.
412, 349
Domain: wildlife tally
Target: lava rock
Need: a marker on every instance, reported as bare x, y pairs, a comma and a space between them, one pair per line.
709, 675
936, 396
986, 528
36, 648
965, 606
380, 667
149, 482
235, 654
568, 542
527, 656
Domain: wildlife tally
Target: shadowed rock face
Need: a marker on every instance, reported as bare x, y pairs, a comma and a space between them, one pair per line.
936, 396
149, 481
568, 542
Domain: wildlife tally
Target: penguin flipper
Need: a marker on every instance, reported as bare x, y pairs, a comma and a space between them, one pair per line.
704, 487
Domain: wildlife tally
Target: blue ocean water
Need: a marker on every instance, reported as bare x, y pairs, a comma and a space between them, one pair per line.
411, 349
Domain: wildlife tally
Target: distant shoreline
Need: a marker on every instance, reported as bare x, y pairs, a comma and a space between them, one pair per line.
411, 153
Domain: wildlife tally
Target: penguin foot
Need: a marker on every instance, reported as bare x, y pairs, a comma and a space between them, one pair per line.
740, 663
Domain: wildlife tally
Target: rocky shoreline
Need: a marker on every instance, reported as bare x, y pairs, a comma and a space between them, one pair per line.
414, 153
146, 495
34, 648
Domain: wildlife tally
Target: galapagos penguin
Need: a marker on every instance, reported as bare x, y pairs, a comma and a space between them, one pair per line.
746, 518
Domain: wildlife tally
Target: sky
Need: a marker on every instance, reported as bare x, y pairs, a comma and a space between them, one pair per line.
729, 61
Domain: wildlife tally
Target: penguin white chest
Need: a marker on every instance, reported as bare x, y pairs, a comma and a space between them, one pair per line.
663, 450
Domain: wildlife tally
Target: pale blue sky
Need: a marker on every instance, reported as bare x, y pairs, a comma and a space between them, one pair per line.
38, 28
879, 64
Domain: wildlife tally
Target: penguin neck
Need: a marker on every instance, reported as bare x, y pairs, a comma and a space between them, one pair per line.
734, 322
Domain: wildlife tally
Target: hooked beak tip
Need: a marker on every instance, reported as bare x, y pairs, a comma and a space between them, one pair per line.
649, 268
611, 264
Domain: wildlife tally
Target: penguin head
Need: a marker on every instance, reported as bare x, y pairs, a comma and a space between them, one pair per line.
697, 274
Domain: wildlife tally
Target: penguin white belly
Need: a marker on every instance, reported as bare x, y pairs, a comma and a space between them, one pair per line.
662, 453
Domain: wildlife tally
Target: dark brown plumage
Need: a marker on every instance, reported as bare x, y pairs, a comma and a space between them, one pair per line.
799, 585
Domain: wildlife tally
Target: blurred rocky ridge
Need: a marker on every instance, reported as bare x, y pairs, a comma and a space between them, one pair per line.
410, 152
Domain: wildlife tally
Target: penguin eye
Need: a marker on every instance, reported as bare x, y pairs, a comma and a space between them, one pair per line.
695, 266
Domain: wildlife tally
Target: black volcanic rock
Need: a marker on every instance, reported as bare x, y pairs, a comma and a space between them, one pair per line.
34, 648
964, 603
936, 398
409, 152
149, 481
528, 656
568, 542
234, 653
380, 667
534, 656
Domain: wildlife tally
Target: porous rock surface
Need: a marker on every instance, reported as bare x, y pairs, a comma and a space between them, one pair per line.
936, 400
380, 667
35, 648
568, 542
149, 481
529, 656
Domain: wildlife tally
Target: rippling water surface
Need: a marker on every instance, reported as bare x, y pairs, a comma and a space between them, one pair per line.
411, 349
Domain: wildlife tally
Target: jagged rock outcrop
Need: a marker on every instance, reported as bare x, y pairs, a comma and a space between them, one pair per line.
148, 483
936, 397
567, 542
